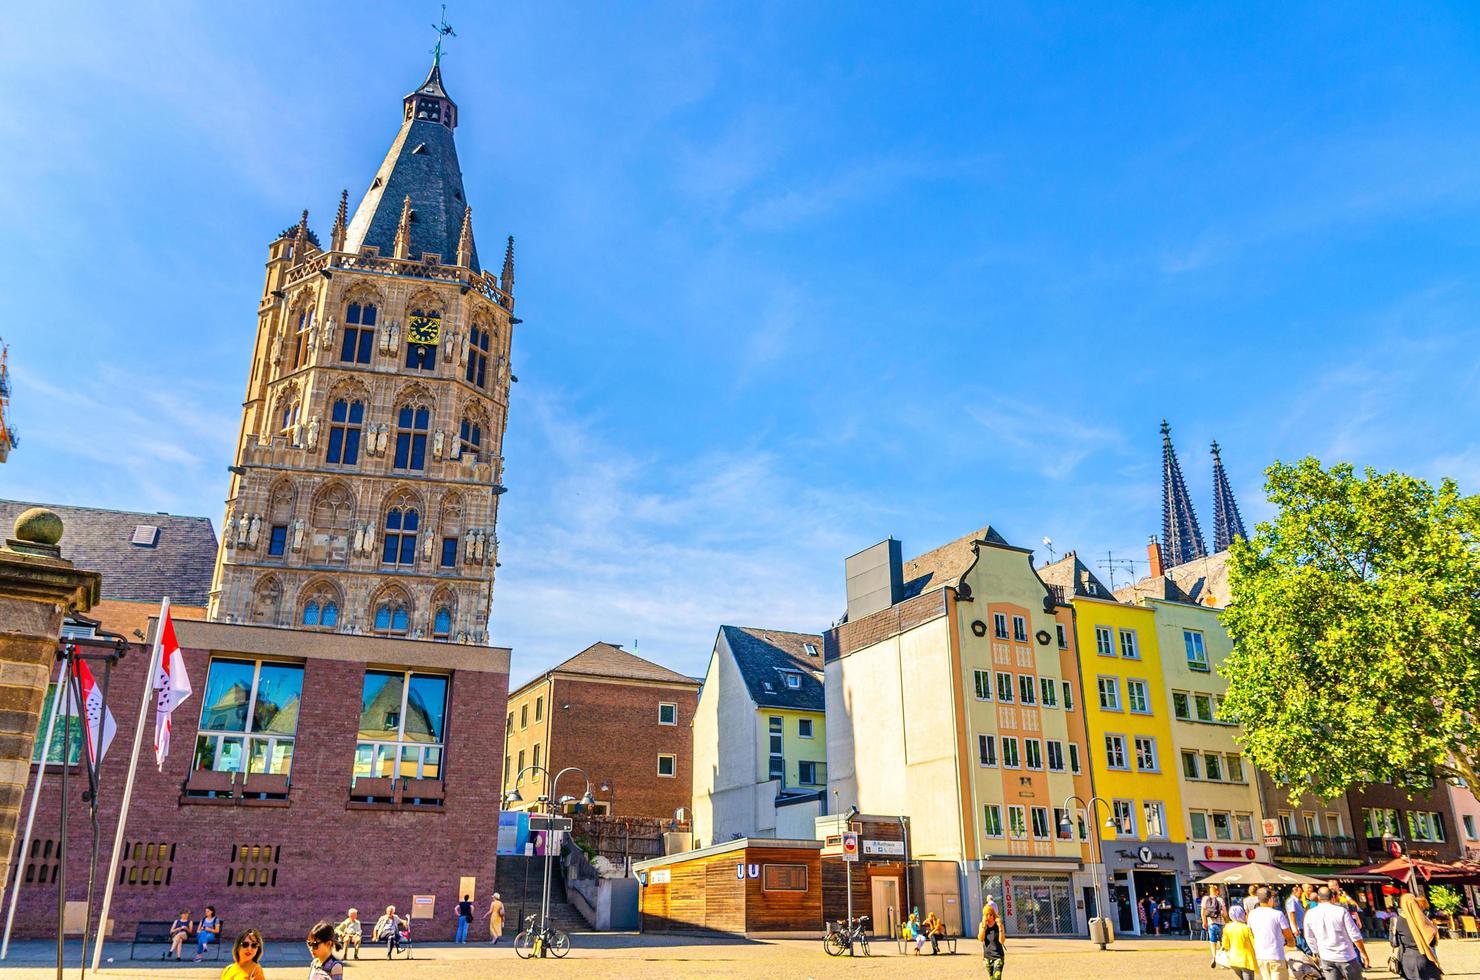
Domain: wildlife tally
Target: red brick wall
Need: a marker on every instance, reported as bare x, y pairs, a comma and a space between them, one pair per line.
611, 731
331, 857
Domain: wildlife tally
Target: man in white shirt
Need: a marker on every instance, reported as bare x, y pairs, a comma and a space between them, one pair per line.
1271, 935
1333, 936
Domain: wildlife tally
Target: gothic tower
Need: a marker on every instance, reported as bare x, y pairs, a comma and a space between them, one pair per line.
365, 491
1227, 524
1180, 534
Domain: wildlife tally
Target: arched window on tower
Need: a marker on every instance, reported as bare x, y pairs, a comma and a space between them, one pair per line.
346, 421
391, 614
470, 437
442, 624
399, 546
359, 333
478, 344
300, 338
412, 422
321, 608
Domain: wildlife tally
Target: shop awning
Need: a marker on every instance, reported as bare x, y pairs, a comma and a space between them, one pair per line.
1216, 866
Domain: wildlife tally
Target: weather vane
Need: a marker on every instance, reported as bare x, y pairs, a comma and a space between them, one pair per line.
443, 29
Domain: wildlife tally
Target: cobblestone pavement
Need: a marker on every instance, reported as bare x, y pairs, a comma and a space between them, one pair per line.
627, 957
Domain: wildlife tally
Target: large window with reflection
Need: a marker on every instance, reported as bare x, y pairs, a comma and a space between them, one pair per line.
401, 720
249, 716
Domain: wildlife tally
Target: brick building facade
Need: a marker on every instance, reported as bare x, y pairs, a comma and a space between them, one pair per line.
624, 720
279, 850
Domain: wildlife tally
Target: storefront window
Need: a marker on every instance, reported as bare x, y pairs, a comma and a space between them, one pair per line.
401, 722
249, 717
1031, 904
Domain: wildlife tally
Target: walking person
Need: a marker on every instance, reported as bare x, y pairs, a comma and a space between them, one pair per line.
1334, 938
1272, 934
320, 942
1414, 940
207, 932
464, 919
496, 918
1213, 912
1238, 945
246, 958
1251, 900
990, 934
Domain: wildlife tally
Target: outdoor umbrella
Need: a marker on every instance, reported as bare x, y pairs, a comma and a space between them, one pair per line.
1255, 873
1399, 868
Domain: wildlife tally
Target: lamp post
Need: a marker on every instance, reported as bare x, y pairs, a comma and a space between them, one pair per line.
1102, 938
551, 801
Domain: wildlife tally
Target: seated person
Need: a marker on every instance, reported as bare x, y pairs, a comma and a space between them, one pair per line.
209, 931
180, 931
349, 932
388, 930
935, 928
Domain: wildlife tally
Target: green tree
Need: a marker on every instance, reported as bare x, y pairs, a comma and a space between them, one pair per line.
1445, 900
1356, 620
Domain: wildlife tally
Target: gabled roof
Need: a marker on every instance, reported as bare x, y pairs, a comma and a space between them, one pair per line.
1200, 582
178, 563
421, 164
1074, 578
765, 656
945, 565
611, 661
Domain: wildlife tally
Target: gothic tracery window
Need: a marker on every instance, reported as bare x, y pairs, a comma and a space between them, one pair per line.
412, 422
346, 421
359, 333
321, 608
300, 338
479, 339
392, 612
399, 539
333, 510
470, 437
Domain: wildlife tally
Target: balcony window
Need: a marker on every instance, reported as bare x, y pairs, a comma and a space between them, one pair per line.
1004, 688
1020, 629
999, 625
982, 682
1017, 823
1050, 689
1010, 752
401, 721
249, 717
1027, 689
1040, 823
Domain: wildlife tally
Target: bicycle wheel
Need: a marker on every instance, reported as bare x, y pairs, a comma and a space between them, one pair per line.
524, 945
834, 944
863, 942
558, 943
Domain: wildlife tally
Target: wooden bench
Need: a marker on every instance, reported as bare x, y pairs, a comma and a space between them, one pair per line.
150, 933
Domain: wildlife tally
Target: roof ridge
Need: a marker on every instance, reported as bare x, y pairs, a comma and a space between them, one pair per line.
104, 510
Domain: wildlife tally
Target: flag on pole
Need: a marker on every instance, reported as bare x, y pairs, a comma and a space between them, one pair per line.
172, 683
100, 723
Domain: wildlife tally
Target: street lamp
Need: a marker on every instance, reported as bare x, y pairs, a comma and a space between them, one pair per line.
549, 798
1103, 936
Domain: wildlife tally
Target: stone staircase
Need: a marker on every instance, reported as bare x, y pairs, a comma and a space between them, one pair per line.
519, 882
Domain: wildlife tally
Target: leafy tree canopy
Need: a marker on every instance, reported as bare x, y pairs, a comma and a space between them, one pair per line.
1356, 623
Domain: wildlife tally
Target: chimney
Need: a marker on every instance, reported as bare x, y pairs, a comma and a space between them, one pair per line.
1153, 552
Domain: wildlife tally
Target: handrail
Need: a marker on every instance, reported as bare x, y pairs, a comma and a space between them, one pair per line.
486, 285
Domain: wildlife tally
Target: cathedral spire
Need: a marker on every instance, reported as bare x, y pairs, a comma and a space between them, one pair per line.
1227, 524
1181, 537
465, 239
507, 282
401, 248
341, 222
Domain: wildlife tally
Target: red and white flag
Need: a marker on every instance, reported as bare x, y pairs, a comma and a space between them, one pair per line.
172, 683
100, 724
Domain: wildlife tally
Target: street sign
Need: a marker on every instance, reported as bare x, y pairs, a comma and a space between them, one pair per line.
850, 847
562, 824
887, 848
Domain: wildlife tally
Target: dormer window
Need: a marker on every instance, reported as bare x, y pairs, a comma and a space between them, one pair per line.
793, 679
811, 649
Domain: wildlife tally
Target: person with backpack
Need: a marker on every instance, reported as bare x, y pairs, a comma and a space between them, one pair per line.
325, 965
1213, 913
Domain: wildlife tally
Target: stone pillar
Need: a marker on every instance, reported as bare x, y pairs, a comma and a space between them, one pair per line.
37, 588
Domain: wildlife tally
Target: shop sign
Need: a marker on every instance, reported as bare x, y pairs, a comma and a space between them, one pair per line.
1247, 853
884, 848
1007, 896
750, 870
660, 876
1145, 855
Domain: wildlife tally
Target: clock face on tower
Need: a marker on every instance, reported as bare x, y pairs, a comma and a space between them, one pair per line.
426, 330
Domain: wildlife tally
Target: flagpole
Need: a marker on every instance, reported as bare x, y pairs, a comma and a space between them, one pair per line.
20, 855
128, 785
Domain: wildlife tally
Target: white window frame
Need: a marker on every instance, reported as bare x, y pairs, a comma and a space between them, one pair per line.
999, 626
1017, 759
1120, 742
1020, 629
1034, 814
1032, 747
1132, 684
811, 728
986, 751
1017, 821
1197, 769
1129, 833
1155, 755
1192, 817
1074, 764
671, 705
992, 816
1104, 641
1133, 650
1195, 645
1157, 807
1068, 696
1027, 689
1049, 692
1186, 697
981, 681
673, 759
1005, 693
1114, 690
1053, 753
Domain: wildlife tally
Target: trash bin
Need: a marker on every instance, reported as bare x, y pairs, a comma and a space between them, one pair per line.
1100, 931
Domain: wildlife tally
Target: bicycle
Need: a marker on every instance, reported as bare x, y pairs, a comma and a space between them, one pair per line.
537, 942
840, 939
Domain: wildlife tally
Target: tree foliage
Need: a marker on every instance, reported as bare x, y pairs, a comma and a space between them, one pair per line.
1356, 624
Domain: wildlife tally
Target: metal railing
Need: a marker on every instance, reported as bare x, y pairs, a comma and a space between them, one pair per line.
1302, 845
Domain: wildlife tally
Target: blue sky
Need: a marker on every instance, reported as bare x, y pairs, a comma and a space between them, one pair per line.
795, 277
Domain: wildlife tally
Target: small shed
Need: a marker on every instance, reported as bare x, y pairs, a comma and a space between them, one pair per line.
751, 886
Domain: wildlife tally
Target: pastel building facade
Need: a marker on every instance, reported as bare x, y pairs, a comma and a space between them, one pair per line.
1132, 747
759, 738
953, 699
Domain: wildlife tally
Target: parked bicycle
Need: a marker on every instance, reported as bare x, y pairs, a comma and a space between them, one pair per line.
538, 942
840, 938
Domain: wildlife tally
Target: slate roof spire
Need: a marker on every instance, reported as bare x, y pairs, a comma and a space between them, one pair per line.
1180, 536
341, 224
1227, 523
507, 282
465, 239
421, 164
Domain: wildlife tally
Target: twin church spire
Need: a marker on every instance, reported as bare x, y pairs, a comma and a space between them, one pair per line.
1181, 537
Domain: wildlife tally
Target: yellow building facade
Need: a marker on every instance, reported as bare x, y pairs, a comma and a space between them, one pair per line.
1132, 752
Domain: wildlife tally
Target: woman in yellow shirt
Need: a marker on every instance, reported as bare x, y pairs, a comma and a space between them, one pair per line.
1238, 943
246, 956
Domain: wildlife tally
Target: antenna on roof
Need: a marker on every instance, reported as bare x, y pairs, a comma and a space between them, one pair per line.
1048, 543
1111, 563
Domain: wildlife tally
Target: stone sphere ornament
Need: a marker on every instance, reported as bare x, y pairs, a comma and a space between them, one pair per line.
38, 526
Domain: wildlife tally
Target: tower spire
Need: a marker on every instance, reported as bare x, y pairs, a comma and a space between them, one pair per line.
506, 283
1227, 523
465, 240
1181, 537
341, 222
300, 239
402, 246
